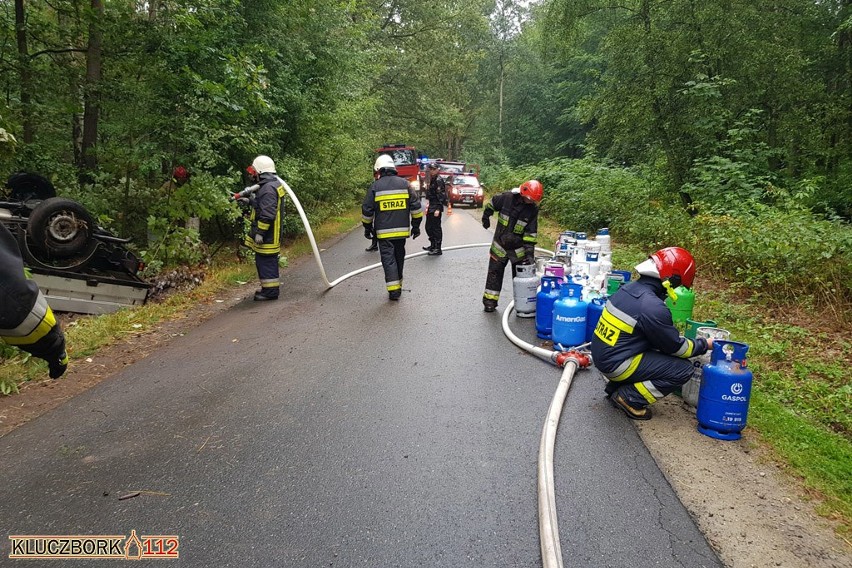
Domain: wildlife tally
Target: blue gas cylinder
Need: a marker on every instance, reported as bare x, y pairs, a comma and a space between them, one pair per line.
544, 299
569, 316
596, 306
725, 392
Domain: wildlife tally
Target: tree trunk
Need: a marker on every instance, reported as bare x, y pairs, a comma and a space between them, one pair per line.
24, 71
91, 94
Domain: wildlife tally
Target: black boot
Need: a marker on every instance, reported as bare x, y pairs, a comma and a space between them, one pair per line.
431, 246
436, 250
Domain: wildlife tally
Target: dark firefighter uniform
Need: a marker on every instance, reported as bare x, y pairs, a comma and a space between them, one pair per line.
26, 321
514, 239
437, 197
392, 212
637, 347
266, 215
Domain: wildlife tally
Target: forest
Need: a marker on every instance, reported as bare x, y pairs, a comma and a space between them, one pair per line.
722, 126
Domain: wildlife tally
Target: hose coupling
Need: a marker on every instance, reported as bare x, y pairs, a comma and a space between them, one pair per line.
582, 360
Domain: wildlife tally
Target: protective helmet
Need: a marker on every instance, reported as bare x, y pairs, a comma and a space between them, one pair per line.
673, 264
434, 166
263, 164
533, 190
384, 162
180, 174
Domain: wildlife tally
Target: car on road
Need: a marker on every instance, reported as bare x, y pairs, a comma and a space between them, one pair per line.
465, 189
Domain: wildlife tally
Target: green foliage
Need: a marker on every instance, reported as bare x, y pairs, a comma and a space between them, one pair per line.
784, 256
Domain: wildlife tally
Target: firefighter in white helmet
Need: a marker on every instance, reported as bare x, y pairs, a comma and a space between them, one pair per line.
388, 208
26, 321
264, 237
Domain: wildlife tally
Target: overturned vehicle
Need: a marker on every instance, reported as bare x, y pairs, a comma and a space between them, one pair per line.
79, 266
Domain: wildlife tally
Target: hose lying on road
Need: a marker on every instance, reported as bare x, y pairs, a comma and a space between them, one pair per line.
551, 550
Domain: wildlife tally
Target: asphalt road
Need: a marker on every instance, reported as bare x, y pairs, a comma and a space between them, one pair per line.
335, 428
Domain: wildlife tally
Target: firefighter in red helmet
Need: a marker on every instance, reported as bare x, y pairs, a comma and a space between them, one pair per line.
514, 237
636, 345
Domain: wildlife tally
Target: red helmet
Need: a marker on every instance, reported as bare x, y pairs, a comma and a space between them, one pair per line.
533, 190
180, 174
673, 264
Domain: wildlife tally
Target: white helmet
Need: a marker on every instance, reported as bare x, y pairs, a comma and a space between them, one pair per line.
263, 164
384, 162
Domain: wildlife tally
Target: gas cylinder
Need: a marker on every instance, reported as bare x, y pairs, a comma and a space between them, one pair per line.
604, 239
569, 317
545, 298
525, 285
596, 306
681, 308
593, 254
579, 249
725, 392
692, 387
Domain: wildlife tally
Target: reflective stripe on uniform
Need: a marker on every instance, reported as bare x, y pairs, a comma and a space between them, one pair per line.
394, 285
686, 349
270, 283
503, 218
263, 226
393, 233
531, 238
36, 325
491, 295
624, 370
498, 250
648, 391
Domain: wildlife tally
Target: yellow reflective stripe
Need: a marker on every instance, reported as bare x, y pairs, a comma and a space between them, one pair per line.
615, 322
530, 239
491, 295
643, 390
367, 220
392, 235
391, 286
386, 196
631, 368
263, 226
685, 351
417, 214
42, 329
267, 284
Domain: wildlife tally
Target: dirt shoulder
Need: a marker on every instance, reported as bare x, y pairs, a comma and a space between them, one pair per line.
752, 513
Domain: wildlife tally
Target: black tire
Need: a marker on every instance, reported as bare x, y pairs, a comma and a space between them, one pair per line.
61, 228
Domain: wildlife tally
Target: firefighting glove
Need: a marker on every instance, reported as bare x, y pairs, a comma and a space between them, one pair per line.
258, 239
486, 222
415, 232
56, 367
368, 232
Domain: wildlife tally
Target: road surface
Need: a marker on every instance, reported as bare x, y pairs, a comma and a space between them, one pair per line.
335, 428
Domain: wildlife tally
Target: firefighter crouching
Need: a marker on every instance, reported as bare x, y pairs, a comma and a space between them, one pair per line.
26, 321
264, 237
636, 345
514, 237
388, 205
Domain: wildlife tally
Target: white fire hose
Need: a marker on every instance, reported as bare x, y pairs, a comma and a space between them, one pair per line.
570, 361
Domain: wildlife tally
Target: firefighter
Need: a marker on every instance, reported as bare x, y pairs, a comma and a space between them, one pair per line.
264, 237
636, 346
437, 197
388, 205
514, 237
26, 321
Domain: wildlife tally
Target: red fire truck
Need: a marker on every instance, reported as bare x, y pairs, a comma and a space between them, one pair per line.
405, 158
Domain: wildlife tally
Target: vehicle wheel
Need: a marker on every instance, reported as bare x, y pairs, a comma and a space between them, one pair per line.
61, 228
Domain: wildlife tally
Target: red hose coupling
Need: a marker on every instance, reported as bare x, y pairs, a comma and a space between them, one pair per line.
581, 359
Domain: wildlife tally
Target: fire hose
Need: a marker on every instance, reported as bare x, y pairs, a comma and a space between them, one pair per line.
569, 361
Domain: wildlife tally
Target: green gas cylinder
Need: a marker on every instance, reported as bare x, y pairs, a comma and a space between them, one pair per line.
692, 327
682, 307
